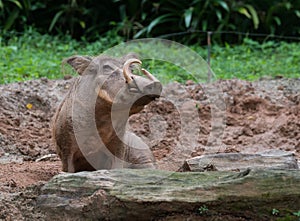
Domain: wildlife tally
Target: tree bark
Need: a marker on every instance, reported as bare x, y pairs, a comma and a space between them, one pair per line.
156, 195
274, 159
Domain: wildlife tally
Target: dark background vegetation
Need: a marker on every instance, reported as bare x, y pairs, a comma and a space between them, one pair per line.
89, 19
251, 38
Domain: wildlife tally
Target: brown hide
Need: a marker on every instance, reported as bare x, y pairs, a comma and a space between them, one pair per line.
89, 127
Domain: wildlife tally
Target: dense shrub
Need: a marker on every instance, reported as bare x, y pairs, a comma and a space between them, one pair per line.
79, 18
135, 19
281, 17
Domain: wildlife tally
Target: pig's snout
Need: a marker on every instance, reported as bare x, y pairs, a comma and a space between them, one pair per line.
153, 89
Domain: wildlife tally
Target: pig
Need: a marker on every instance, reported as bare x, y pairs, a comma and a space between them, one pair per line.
90, 125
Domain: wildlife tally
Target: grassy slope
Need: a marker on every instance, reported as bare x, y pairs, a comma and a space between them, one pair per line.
34, 56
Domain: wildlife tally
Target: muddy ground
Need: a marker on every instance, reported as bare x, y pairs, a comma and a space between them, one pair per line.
257, 116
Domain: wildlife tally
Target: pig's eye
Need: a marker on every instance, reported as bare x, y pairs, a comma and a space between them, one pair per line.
107, 68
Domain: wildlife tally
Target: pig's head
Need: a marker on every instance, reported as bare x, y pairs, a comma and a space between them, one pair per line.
115, 83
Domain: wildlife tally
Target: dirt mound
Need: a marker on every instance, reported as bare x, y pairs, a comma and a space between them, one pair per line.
258, 116
26, 110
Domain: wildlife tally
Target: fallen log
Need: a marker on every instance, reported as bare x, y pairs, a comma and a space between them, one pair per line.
156, 195
274, 159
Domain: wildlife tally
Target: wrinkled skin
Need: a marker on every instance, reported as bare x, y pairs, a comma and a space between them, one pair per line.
89, 127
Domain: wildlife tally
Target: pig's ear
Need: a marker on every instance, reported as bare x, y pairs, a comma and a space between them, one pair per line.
79, 63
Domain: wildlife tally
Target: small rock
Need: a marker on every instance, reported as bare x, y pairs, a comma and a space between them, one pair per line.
47, 157
281, 88
11, 183
279, 77
44, 80
67, 77
2, 152
247, 131
189, 83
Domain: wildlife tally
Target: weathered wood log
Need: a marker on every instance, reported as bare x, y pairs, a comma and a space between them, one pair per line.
275, 159
155, 194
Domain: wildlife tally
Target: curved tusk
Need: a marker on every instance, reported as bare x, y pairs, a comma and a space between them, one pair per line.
149, 75
126, 70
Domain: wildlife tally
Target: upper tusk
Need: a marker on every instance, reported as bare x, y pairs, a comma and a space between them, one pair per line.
126, 68
149, 75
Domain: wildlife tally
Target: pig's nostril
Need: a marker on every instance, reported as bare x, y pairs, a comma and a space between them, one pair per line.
154, 88
133, 90
130, 81
133, 87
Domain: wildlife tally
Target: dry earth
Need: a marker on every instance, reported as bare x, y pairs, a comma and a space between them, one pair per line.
259, 116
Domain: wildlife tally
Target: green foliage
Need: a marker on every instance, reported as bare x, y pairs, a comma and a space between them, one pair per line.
275, 212
81, 18
33, 55
136, 19
203, 210
202, 15
167, 16
297, 213
74, 17
252, 60
279, 17
15, 11
286, 215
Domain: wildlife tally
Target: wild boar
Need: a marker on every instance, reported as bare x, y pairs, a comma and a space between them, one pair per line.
89, 127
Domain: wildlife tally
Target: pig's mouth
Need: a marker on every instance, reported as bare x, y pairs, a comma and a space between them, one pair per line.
144, 100
140, 103
136, 105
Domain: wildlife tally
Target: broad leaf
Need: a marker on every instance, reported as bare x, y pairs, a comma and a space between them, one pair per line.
244, 11
188, 17
55, 19
140, 33
277, 20
17, 3
254, 16
224, 5
12, 17
219, 15
159, 20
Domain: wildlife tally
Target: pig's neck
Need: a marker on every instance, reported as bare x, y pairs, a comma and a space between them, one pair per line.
111, 129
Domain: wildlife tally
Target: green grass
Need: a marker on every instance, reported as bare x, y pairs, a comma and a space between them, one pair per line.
252, 61
31, 56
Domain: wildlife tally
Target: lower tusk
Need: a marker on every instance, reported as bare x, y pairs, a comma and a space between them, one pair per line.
127, 77
149, 75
